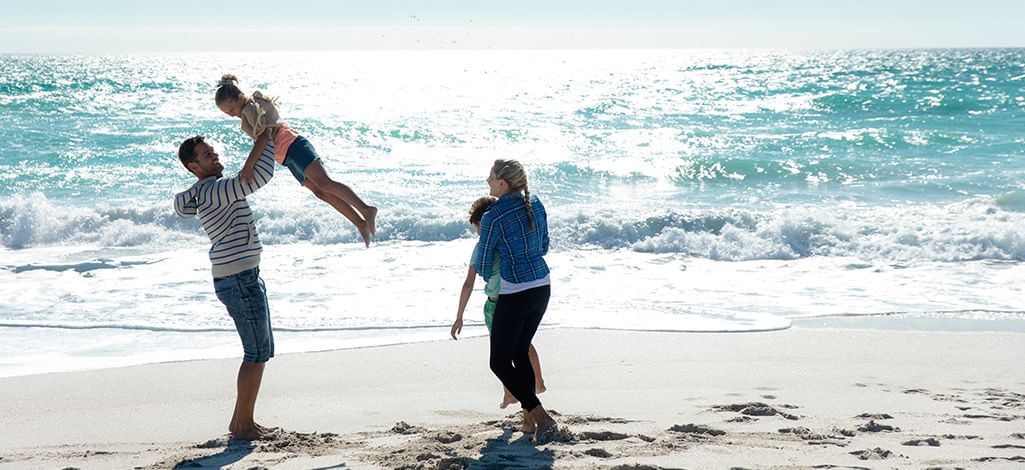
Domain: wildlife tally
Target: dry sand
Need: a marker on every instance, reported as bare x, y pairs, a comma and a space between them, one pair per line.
800, 398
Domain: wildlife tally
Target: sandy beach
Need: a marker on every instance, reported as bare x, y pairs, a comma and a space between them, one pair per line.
799, 398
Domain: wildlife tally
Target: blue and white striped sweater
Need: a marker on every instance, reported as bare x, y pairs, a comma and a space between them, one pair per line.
228, 221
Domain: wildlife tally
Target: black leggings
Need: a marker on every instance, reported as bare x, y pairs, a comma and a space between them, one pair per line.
516, 319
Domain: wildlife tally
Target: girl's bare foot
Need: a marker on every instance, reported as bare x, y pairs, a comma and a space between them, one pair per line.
507, 400
528, 423
371, 217
364, 231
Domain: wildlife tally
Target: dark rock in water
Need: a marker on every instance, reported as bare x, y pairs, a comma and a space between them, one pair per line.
691, 428
931, 442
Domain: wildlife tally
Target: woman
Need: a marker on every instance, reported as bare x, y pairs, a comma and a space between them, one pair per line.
516, 229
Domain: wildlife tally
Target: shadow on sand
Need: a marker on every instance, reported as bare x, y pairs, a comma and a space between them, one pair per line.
233, 452
501, 453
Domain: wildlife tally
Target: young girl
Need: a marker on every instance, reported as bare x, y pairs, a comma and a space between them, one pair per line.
260, 120
491, 289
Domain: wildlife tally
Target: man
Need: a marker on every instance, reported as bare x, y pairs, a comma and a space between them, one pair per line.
235, 256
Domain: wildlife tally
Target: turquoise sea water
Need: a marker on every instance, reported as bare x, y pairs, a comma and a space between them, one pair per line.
843, 166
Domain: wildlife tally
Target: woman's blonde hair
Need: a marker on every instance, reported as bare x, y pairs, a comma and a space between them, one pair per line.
512, 172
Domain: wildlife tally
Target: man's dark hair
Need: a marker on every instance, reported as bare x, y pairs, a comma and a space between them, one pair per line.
187, 150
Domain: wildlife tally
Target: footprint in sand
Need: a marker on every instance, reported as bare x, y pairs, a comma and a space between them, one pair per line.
691, 428
597, 452
403, 427
872, 454
602, 435
757, 409
448, 437
874, 416
873, 426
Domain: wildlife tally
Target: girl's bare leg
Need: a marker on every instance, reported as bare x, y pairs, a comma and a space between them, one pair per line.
508, 399
318, 174
341, 206
535, 362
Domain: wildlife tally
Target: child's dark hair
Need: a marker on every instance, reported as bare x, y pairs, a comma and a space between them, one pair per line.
480, 206
187, 150
227, 89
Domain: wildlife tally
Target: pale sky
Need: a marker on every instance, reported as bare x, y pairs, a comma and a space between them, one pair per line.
125, 26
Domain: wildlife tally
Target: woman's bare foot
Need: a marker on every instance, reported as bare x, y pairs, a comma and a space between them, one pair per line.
528, 423
364, 231
545, 427
507, 400
371, 217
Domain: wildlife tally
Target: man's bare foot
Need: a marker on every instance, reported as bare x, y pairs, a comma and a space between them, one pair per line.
265, 429
507, 400
364, 231
253, 434
371, 217
540, 388
528, 423
258, 426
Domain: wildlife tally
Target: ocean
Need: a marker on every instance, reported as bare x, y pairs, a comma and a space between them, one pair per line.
687, 190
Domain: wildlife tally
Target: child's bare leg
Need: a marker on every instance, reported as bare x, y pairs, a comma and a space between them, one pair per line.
535, 362
342, 207
508, 399
318, 174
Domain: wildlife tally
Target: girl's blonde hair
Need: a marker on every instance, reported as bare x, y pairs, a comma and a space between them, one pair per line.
512, 172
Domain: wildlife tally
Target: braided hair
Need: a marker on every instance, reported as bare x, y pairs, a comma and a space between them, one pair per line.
512, 172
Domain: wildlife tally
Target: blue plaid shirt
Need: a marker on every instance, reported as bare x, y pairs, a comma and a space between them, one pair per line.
504, 229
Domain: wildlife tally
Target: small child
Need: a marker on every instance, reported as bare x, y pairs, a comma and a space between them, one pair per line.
260, 120
491, 289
